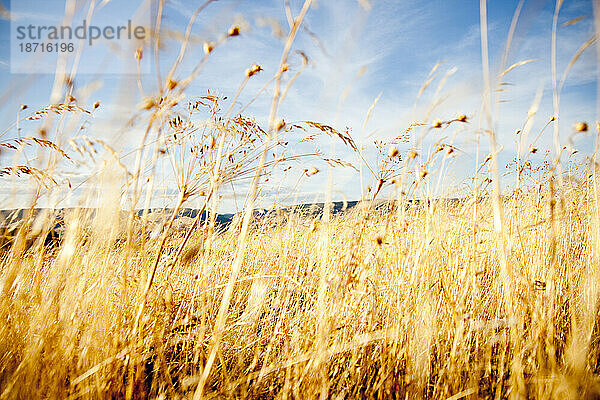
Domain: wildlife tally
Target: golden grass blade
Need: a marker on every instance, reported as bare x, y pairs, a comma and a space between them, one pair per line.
516, 65
574, 20
578, 54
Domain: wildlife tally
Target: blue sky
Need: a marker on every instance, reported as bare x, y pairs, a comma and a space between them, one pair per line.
395, 44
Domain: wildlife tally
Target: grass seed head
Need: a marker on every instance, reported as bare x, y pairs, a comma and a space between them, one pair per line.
208, 47
192, 252
581, 127
253, 70
149, 103
171, 84
312, 171
280, 125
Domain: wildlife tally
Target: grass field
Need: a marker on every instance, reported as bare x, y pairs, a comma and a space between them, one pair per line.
426, 300
492, 294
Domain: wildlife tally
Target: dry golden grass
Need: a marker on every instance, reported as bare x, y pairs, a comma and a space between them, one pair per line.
377, 302
488, 296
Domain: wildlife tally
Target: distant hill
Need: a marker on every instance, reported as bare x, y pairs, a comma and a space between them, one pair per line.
223, 220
